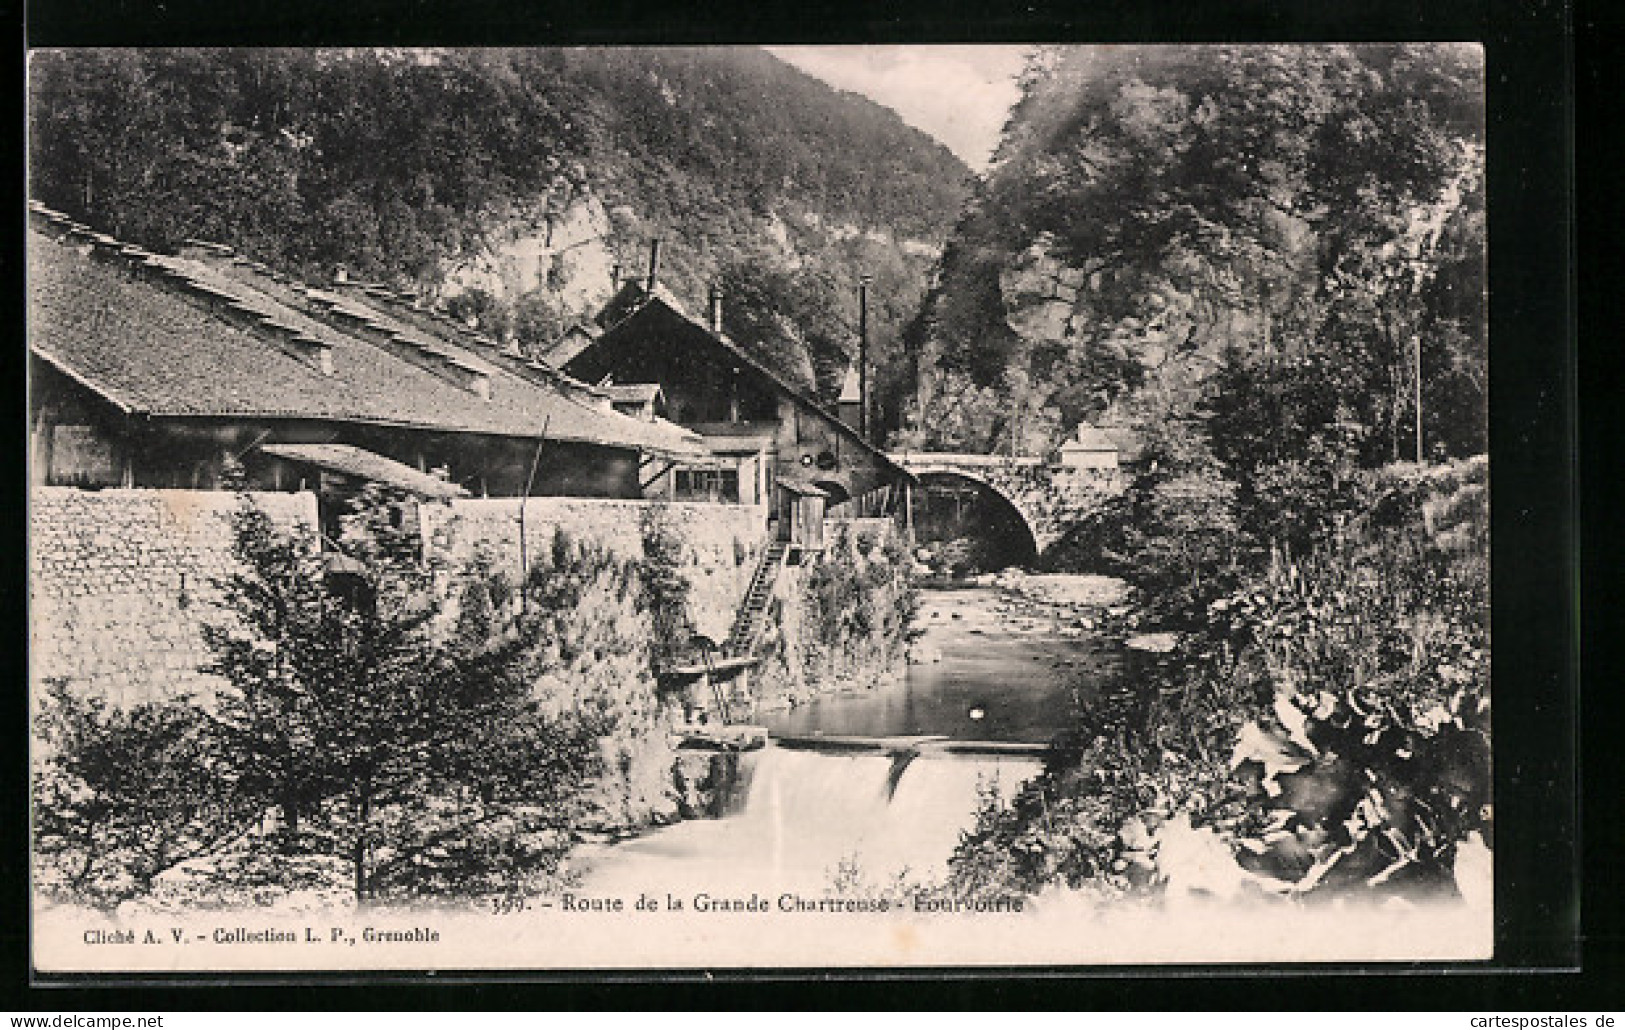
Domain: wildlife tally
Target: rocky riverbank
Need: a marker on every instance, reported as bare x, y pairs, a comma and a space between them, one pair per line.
1051, 605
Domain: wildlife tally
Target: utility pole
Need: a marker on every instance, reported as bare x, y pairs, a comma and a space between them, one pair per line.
1419, 398
863, 356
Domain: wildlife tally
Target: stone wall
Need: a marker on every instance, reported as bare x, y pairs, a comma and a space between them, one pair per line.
722, 541
121, 582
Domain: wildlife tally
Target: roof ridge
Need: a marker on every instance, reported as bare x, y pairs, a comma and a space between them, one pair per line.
552, 373
203, 293
750, 359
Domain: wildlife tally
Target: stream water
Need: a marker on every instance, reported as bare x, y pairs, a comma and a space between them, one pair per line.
1009, 671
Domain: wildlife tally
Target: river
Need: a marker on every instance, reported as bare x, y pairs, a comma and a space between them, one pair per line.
998, 668
1011, 669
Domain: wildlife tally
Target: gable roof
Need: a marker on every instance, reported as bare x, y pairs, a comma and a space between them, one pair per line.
179, 337
661, 303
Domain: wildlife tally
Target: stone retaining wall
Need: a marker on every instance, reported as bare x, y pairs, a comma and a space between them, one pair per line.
722, 541
121, 582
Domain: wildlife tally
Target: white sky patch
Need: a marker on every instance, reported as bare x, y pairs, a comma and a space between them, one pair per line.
961, 95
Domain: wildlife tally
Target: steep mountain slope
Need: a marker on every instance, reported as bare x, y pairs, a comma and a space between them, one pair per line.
1159, 215
509, 183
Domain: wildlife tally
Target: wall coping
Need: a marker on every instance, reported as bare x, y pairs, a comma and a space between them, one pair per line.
639, 502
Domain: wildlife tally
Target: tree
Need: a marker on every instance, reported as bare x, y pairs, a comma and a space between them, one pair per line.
399, 165
1167, 203
122, 794
351, 692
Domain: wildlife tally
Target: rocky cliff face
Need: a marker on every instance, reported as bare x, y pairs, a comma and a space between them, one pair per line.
564, 250
1151, 207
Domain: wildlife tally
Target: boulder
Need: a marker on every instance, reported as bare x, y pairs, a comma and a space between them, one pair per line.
1155, 643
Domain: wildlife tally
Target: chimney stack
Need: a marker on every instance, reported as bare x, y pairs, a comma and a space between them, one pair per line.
341, 274
615, 277
715, 309
654, 267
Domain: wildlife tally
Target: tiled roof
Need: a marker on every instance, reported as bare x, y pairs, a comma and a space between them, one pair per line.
364, 464
177, 337
632, 393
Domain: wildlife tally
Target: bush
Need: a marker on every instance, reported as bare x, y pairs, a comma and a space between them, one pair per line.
120, 796
853, 621
1326, 721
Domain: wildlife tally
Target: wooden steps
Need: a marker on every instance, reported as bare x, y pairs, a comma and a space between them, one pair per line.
747, 624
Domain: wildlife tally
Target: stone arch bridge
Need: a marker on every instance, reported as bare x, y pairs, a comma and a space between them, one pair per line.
1050, 499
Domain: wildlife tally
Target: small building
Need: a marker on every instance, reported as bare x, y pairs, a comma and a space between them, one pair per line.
1090, 450
772, 440
151, 370
645, 401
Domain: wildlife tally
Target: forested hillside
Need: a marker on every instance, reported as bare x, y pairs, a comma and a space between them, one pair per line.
507, 184
1263, 269
1261, 233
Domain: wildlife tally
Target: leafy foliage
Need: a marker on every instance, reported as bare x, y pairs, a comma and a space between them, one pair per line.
853, 621
1315, 210
593, 617
665, 587
121, 795
1323, 719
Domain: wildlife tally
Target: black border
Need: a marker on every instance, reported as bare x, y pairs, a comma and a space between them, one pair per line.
1534, 373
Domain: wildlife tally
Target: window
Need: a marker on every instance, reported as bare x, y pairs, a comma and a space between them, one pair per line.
716, 485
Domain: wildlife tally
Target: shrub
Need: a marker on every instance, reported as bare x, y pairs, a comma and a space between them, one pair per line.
1326, 720
121, 795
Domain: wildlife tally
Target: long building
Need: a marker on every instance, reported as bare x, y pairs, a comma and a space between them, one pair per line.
151, 370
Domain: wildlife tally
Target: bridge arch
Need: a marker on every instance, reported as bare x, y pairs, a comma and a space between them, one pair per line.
1028, 542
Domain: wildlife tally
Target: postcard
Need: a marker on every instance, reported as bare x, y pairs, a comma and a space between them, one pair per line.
659, 508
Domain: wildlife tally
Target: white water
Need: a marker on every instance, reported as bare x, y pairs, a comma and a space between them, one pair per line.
806, 813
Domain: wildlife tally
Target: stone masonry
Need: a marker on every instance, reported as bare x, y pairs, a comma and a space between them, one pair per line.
121, 582
722, 541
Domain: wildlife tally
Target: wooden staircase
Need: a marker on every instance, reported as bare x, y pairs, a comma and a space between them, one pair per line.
748, 623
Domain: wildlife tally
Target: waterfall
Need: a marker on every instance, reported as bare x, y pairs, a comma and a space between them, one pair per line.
802, 813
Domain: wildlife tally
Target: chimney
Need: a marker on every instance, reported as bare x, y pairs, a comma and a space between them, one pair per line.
615, 277
714, 309
654, 267
341, 274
